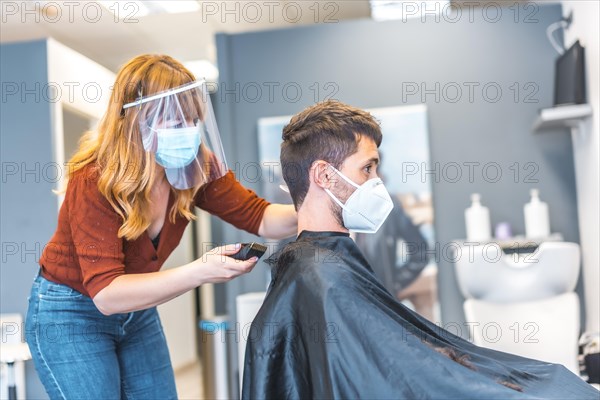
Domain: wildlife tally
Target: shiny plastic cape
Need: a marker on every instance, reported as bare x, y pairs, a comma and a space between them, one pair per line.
329, 329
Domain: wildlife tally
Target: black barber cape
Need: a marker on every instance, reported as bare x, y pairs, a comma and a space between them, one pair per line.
329, 329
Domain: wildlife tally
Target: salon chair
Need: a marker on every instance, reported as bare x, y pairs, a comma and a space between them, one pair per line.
523, 303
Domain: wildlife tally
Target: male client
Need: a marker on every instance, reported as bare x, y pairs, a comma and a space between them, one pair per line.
328, 328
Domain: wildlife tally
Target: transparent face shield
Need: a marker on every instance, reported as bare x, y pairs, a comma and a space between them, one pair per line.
179, 127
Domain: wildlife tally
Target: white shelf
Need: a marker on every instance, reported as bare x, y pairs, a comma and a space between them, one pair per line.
562, 116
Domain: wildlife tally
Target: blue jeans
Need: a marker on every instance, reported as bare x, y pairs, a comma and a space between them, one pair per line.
80, 353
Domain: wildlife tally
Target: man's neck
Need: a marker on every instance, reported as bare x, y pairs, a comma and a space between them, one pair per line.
317, 217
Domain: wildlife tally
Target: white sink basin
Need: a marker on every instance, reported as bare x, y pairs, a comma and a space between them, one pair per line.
551, 270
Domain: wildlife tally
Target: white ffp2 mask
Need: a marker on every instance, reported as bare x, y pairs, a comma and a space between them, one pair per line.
367, 208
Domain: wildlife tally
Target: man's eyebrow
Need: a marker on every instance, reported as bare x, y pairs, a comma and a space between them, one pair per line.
372, 160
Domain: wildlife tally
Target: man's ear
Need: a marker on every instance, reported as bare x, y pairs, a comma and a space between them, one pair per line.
321, 174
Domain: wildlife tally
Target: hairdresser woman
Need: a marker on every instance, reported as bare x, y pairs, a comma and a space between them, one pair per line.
92, 324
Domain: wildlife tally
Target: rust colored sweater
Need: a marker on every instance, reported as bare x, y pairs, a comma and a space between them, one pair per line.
86, 254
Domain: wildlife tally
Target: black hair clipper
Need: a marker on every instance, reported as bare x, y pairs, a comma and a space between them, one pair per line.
249, 250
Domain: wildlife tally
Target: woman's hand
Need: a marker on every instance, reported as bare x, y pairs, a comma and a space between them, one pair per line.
216, 267
132, 292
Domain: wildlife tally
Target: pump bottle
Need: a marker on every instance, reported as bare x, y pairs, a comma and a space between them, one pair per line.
537, 220
477, 218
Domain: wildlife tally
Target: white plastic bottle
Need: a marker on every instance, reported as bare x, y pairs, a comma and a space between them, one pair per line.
477, 218
537, 220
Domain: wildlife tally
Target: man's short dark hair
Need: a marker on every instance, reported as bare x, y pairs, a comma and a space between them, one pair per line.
328, 131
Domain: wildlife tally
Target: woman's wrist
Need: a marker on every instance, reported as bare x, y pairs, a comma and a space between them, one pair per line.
279, 222
193, 272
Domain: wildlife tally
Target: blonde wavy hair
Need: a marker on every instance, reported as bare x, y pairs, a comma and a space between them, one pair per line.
126, 170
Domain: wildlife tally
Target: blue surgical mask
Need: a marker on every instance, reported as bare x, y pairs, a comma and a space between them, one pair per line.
177, 147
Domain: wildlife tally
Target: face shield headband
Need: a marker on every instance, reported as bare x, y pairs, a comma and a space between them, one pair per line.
179, 127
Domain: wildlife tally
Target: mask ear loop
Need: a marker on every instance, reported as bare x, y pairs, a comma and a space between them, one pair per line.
339, 203
334, 198
285, 188
344, 177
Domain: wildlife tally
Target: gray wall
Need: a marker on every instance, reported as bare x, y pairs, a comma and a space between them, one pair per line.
370, 61
28, 206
